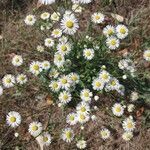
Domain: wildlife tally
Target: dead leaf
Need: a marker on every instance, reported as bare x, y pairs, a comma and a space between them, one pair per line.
49, 100
140, 112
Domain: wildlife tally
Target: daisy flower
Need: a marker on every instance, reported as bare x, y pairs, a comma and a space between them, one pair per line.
88, 54
117, 17
16, 134
45, 15
97, 84
21, 79
8, 81
98, 18
1, 90
74, 77
109, 30
67, 135
65, 82
40, 48
83, 108
46, 138
122, 31
64, 48
64, 97
127, 136
77, 8
55, 86
86, 95
131, 108
35, 67
104, 76
49, 42
112, 43
63, 39
56, 33
69, 24
45, 65
17, 60
53, 73
96, 98
124, 64
59, 60
146, 55
134, 96
128, 124
46, 2
93, 117
35, 128
55, 16
117, 109
83, 118
105, 134
112, 84
13, 119
81, 144
30, 20
71, 118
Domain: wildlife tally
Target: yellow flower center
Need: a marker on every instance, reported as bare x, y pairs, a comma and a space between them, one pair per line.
82, 117
110, 32
13, 119
59, 57
105, 76
45, 14
56, 32
65, 97
98, 84
113, 42
22, 78
36, 67
104, 133
122, 30
45, 139
64, 81
147, 54
64, 48
83, 109
88, 53
71, 118
86, 94
68, 135
74, 78
130, 125
97, 17
55, 85
49, 41
69, 24
34, 128
118, 109
30, 18
113, 83
8, 80
17, 60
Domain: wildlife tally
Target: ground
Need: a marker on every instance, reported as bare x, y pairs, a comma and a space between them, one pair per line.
36, 105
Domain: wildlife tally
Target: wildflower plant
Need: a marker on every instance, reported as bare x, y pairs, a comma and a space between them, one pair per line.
84, 63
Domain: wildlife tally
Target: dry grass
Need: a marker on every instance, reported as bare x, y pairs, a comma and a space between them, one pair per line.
33, 104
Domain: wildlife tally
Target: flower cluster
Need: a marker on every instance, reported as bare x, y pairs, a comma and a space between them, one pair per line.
80, 69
